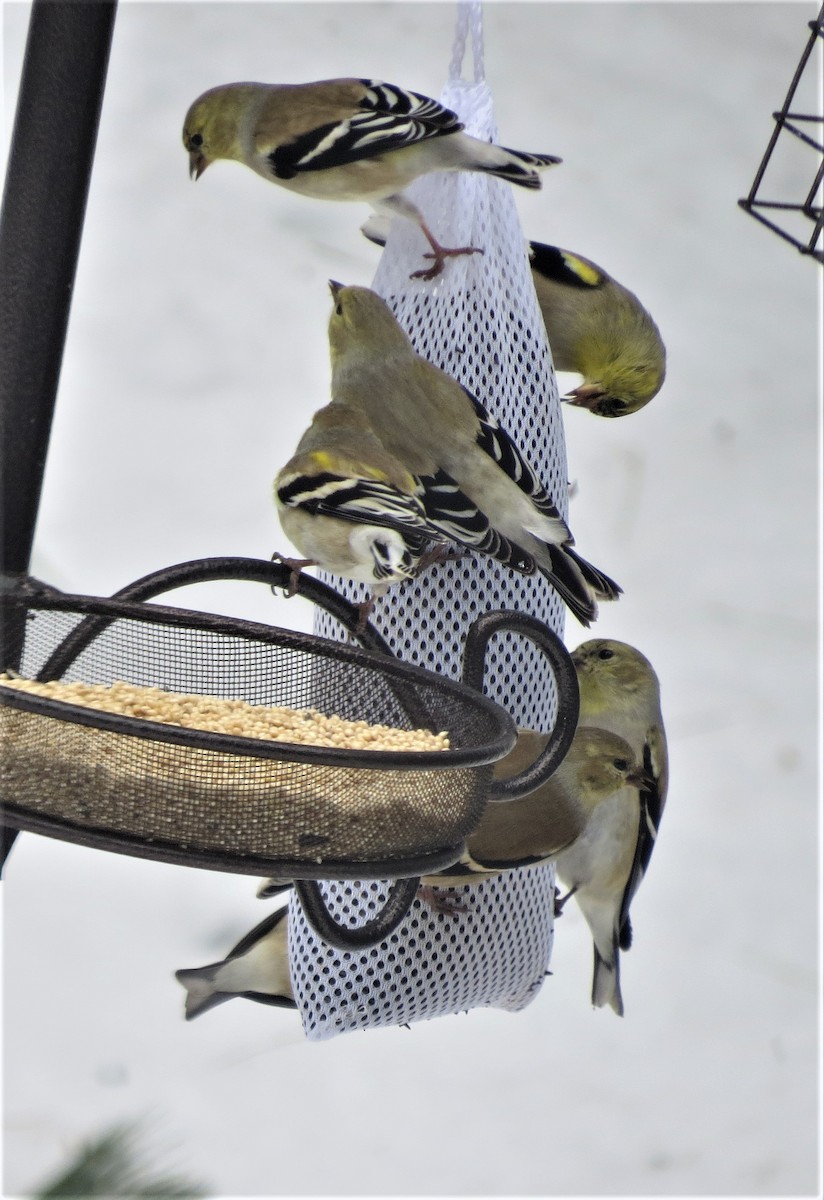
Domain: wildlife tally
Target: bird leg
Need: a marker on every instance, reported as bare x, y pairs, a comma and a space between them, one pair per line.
295, 565
440, 254
364, 609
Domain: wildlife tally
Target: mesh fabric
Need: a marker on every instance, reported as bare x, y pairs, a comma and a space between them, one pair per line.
480, 321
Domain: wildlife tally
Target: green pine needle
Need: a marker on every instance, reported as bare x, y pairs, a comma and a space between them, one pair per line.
113, 1164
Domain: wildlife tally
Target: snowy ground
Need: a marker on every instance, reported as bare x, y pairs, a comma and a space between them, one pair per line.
196, 351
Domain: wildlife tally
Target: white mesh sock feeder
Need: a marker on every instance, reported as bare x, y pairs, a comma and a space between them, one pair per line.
479, 320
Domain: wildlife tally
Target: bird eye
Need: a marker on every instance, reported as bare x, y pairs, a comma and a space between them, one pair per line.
620, 763
339, 309
196, 141
606, 653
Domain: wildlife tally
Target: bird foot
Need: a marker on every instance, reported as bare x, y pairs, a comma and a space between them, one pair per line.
295, 565
440, 254
364, 609
438, 554
559, 904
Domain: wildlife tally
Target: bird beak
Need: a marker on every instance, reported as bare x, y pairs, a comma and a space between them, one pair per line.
584, 396
334, 288
197, 164
640, 779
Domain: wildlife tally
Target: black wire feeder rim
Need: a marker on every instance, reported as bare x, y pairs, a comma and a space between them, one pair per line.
491, 751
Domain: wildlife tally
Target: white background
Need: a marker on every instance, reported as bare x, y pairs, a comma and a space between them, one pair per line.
197, 350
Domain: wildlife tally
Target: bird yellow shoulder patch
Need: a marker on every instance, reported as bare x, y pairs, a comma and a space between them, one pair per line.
585, 271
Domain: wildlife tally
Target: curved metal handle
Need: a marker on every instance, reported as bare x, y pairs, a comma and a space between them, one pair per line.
206, 570
398, 903
566, 683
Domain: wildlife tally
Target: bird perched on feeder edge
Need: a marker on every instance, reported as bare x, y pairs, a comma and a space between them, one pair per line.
350, 507
257, 968
596, 327
477, 487
347, 139
533, 830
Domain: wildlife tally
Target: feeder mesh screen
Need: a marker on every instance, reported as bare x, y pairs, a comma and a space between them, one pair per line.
480, 321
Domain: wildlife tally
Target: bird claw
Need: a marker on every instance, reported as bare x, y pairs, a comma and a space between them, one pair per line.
295, 565
440, 256
438, 554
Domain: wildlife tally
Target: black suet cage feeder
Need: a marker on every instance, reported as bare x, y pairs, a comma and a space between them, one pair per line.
794, 132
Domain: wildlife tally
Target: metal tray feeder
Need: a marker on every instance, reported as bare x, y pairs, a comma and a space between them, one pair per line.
244, 804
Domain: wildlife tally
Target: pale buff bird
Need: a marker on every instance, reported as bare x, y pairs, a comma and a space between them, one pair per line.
619, 690
257, 968
477, 488
538, 827
604, 867
347, 139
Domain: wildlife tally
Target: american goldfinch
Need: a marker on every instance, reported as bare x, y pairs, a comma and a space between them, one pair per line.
347, 139
349, 506
476, 486
604, 867
619, 690
536, 828
596, 327
257, 968
599, 329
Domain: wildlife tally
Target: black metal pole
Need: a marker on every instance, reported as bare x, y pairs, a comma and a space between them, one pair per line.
44, 202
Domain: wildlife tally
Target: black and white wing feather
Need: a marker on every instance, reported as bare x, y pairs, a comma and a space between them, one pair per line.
390, 118
496, 442
361, 501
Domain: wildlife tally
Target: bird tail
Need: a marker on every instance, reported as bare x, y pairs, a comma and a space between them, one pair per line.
601, 584
606, 983
515, 166
201, 994
578, 583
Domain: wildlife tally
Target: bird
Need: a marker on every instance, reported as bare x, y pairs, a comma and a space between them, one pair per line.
599, 329
604, 867
595, 326
257, 968
477, 488
619, 690
535, 829
347, 139
351, 507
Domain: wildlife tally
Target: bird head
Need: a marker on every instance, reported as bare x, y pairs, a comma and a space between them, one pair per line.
613, 677
623, 370
212, 126
362, 325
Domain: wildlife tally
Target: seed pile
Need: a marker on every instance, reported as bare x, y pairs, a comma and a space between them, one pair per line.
216, 714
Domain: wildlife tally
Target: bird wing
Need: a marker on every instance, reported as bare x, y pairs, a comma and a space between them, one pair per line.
564, 267
452, 512
361, 501
496, 442
386, 118
652, 798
